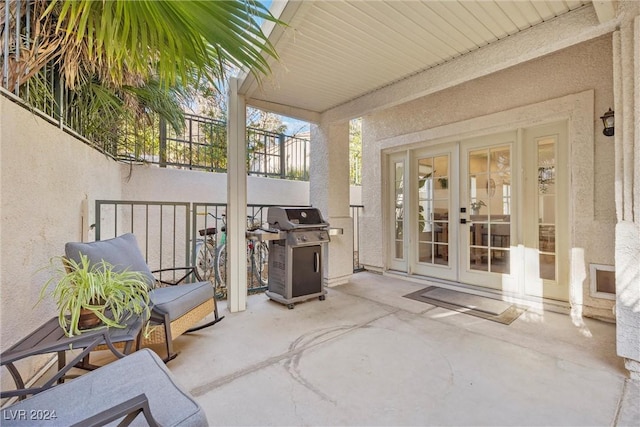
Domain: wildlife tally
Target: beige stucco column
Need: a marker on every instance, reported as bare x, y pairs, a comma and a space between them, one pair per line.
626, 47
236, 200
329, 191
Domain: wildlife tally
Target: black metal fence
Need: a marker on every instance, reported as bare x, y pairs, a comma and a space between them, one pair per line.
202, 145
168, 233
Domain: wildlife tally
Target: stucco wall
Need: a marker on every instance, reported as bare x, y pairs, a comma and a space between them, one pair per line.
176, 185
587, 66
45, 176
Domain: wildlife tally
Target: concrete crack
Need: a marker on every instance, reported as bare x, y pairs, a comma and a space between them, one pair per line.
291, 358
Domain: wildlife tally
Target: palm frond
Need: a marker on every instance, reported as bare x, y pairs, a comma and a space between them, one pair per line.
127, 40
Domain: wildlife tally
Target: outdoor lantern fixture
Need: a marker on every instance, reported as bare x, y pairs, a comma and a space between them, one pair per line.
608, 121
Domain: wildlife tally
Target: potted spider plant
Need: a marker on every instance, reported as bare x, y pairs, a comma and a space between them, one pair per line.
475, 206
95, 295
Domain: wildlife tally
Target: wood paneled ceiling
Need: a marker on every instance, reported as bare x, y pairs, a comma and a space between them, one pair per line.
336, 51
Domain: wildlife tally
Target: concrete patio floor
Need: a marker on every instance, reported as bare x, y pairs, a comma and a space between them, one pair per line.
368, 356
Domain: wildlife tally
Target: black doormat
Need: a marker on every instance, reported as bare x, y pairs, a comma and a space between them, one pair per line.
473, 305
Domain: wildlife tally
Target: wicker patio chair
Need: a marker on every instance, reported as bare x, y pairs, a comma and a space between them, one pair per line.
176, 308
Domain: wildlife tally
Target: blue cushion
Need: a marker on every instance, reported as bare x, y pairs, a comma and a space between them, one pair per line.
122, 252
180, 299
99, 390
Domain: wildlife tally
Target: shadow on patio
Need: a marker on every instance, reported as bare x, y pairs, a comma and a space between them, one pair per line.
368, 356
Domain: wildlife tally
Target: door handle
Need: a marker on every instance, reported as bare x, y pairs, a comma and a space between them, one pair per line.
316, 262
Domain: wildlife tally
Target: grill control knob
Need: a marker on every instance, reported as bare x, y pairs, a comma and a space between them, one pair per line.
303, 238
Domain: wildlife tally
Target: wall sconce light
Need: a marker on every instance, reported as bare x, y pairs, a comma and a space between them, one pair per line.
608, 120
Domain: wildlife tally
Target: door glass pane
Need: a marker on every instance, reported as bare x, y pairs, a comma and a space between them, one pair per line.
547, 267
479, 259
500, 235
478, 162
441, 166
501, 161
425, 252
441, 232
547, 207
500, 261
441, 210
441, 254
489, 207
478, 185
500, 194
399, 235
399, 210
433, 209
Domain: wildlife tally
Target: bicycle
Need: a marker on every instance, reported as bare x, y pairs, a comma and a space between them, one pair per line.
257, 257
206, 252
211, 256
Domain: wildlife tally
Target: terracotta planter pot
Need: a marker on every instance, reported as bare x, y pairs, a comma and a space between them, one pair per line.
88, 319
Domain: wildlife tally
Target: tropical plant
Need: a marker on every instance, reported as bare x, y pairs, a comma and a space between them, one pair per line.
112, 296
129, 42
143, 55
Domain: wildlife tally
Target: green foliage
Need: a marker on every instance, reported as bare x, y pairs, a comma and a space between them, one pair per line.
298, 174
355, 151
113, 296
265, 120
173, 41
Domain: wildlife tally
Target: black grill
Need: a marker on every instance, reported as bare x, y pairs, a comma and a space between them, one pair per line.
296, 270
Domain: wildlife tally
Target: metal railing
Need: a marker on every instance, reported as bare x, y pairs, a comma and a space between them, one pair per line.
277, 155
168, 231
163, 229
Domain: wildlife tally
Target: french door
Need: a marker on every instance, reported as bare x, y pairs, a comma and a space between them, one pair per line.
488, 211
434, 228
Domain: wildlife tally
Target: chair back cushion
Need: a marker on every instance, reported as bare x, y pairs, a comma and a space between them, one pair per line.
122, 252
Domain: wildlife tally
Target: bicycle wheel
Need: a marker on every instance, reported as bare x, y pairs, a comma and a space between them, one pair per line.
221, 268
205, 260
260, 262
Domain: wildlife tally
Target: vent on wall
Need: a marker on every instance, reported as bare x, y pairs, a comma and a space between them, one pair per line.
603, 281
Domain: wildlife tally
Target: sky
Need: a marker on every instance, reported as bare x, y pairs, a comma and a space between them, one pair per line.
293, 125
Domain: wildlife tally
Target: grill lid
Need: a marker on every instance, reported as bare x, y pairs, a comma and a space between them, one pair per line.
295, 218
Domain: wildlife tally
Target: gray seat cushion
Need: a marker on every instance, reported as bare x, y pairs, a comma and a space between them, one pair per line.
92, 393
180, 299
122, 252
